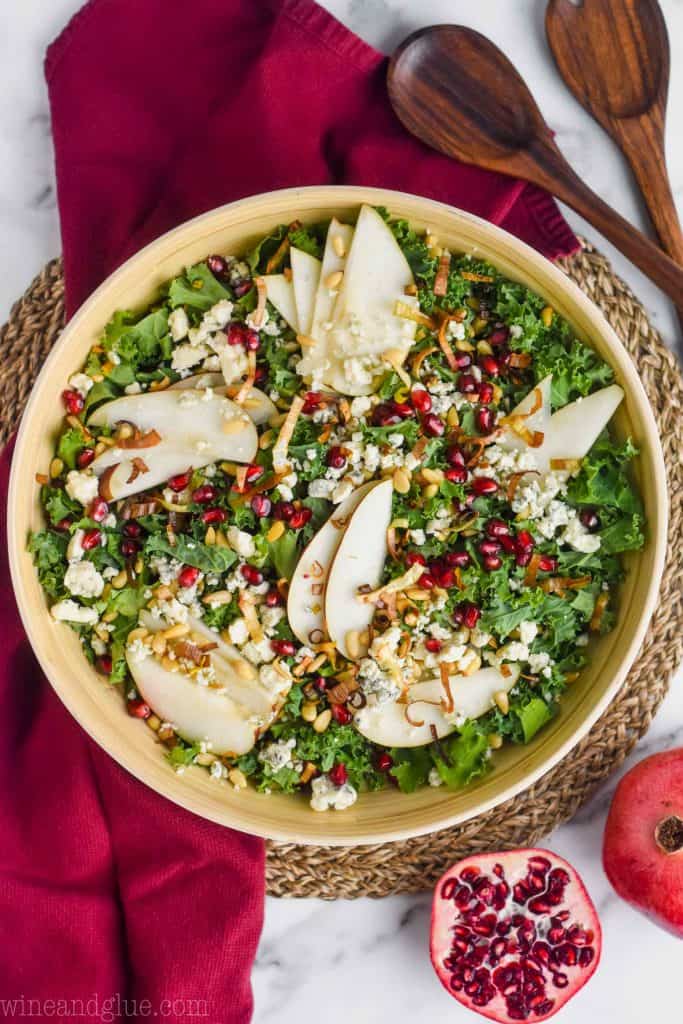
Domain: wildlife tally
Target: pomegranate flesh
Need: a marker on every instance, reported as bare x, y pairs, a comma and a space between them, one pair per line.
643, 847
514, 935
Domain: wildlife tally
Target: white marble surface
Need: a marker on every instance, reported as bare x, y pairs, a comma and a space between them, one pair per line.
366, 961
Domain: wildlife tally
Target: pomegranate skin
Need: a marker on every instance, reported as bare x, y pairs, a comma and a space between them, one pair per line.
514, 935
639, 867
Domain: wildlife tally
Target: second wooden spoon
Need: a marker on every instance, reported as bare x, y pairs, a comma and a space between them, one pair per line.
455, 90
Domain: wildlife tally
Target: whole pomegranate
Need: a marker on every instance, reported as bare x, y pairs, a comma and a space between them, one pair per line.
643, 846
514, 935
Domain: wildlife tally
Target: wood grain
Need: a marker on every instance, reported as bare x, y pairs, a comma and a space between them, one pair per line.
455, 90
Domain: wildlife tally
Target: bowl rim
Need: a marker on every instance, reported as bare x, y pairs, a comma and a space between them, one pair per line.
90, 718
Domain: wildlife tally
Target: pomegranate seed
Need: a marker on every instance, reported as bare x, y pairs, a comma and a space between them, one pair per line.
98, 509
433, 425
489, 547
421, 399
283, 510
104, 664
129, 548
484, 420
84, 458
63, 525
456, 474
507, 543
217, 265
489, 365
252, 342
274, 599
402, 409
283, 648
491, 562
180, 482
523, 557
384, 415
467, 384
188, 576
547, 563
254, 472
589, 519
338, 774
484, 485
427, 581
485, 393
311, 402
320, 683
415, 558
214, 515
253, 576
242, 287
467, 614
74, 402
261, 375
204, 495
131, 529
384, 762
457, 559
497, 528
455, 456
137, 708
237, 334
299, 518
444, 576
433, 645
524, 541
335, 457
261, 505
499, 336
91, 539
341, 713
463, 360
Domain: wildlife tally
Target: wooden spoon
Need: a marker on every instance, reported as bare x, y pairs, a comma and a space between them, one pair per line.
455, 90
614, 57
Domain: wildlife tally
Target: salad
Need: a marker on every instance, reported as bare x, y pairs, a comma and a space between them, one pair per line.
339, 513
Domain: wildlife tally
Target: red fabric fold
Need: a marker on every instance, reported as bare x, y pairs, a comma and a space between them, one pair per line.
114, 900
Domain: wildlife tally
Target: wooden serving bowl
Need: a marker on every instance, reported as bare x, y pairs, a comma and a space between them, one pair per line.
376, 817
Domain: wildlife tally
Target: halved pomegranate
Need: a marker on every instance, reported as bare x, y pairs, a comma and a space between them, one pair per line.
514, 935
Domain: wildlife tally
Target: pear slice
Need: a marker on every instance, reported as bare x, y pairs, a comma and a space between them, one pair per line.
375, 279
307, 587
359, 560
337, 246
538, 421
194, 431
575, 428
257, 405
388, 726
280, 293
231, 715
305, 278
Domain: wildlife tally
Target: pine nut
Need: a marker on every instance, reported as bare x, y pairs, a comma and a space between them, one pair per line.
473, 665
401, 481
139, 565
430, 491
169, 664
176, 631
338, 246
139, 633
153, 723
221, 540
237, 778
411, 618
547, 315
484, 348
464, 346
119, 580
109, 616
432, 476
205, 759
124, 432
276, 531
495, 741
162, 592
56, 468
502, 701
452, 418
322, 721
334, 279
352, 640
159, 644
266, 439
277, 420
309, 712
217, 597
417, 594
210, 536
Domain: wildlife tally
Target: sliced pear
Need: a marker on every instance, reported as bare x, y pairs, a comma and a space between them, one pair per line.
389, 726
230, 715
575, 428
280, 293
337, 246
257, 405
305, 278
192, 433
375, 278
359, 560
307, 587
537, 421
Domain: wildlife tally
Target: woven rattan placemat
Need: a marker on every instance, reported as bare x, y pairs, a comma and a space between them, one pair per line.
413, 865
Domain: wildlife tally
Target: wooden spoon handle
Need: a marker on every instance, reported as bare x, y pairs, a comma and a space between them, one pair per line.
559, 178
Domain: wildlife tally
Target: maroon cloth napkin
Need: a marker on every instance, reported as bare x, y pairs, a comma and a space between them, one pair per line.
112, 896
